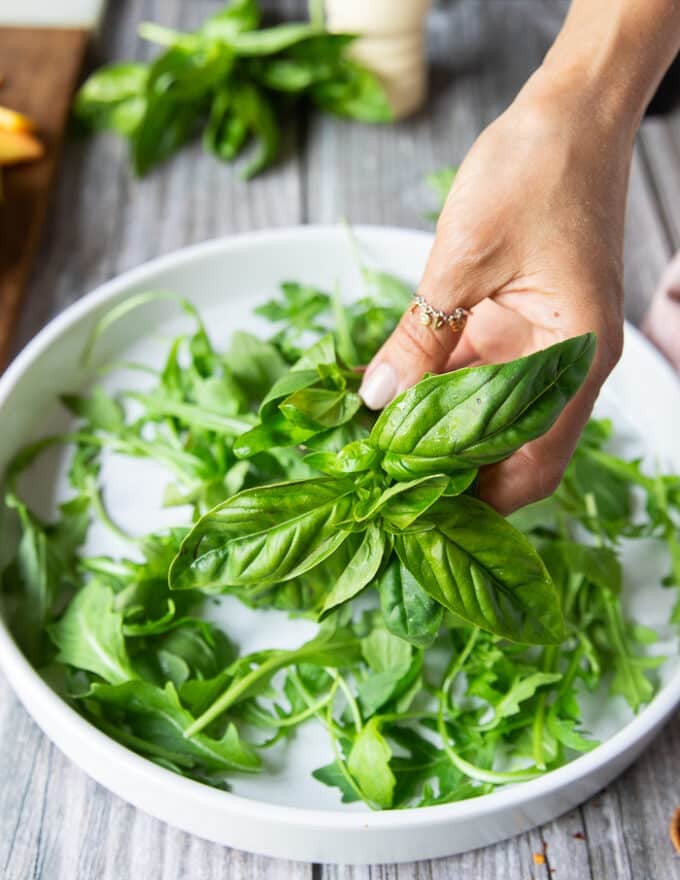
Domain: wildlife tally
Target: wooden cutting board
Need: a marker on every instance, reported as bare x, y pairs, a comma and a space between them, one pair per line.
40, 67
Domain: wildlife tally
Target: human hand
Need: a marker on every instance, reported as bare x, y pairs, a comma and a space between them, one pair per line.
530, 239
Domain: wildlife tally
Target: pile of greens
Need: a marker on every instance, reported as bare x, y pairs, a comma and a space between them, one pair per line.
231, 79
453, 645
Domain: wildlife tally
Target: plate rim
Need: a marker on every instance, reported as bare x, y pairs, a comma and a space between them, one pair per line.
23, 677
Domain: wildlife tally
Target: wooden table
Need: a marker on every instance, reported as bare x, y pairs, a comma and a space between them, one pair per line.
57, 824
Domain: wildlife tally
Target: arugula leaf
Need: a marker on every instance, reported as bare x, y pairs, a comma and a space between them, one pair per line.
157, 719
44, 568
90, 635
254, 364
369, 764
332, 775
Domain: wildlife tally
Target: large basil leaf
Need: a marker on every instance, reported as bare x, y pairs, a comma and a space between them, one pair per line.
477, 565
265, 535
307, 592
408, 610
479, 415
355, 457
320, 407
403, 503
360, 570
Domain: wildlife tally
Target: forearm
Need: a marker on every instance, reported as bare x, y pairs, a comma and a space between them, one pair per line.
610, 56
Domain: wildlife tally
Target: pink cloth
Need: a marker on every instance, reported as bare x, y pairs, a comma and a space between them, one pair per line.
662, 323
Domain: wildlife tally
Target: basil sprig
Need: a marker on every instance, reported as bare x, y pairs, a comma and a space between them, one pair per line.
401, 489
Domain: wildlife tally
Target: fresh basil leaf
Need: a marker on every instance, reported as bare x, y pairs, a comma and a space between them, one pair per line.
479, 415
403, 501
360, 570
400, 509
254, 108
408, 610
264, 536
354, 92
113, 98
238, 17
275, 431
226, 132
322, 49
320, 407
165, 126
289, 75
356, 457
272, 40
461, 558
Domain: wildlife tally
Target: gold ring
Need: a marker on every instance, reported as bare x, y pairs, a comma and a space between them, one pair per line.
436, 318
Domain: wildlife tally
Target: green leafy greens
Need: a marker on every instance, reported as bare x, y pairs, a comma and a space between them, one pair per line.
454, 646
230, 79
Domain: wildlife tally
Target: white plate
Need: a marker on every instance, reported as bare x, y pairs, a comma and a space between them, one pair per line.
285, 813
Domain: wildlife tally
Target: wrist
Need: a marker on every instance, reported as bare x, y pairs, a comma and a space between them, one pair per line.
575, 98
608, 59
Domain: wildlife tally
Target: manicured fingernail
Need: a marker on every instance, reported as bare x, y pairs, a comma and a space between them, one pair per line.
379, 387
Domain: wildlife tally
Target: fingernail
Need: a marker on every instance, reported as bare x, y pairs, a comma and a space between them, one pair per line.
379, 387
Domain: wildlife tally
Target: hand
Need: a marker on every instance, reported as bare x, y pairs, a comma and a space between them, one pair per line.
530, 239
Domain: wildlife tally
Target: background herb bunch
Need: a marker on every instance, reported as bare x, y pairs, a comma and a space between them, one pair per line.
427, 685
231, 79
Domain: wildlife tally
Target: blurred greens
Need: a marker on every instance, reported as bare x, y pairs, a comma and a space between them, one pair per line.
231, 80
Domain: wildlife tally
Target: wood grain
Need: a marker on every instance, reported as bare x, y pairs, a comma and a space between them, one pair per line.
40, 67
57, 824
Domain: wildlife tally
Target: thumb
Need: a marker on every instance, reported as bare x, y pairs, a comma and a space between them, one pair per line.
420, 343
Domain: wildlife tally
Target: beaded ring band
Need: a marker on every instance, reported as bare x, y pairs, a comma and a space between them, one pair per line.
436, 318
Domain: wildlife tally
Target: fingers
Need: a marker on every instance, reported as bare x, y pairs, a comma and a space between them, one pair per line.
412, 350
416, 348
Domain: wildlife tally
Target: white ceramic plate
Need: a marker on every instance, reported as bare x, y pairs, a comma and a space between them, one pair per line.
285, 812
